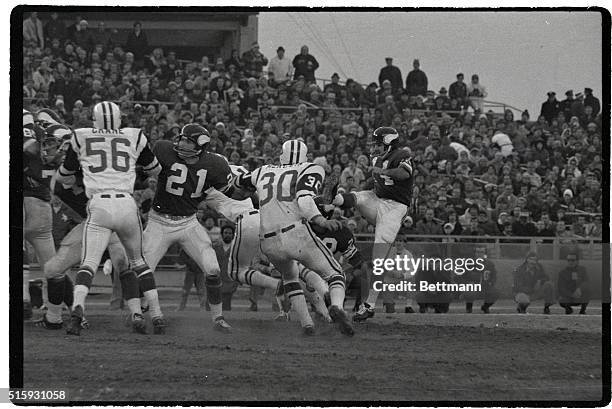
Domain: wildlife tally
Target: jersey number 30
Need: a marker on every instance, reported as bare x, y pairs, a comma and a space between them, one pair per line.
180, 179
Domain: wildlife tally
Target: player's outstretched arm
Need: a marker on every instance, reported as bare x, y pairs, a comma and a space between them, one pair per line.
149, 162
66, 174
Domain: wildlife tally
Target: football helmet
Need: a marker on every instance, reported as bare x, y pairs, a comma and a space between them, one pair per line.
190, 142
384, 139
46, 117
293, 152
54, 142
28, 119
106, 115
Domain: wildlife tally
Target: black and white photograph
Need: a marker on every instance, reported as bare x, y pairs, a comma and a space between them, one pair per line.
290, 206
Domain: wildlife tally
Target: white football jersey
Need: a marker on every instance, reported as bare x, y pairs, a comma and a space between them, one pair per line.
278, 188
108, 158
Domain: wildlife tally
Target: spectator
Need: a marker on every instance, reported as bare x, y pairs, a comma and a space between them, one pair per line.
416, 81
305, 65
235, 61
485, 277
550, 108
532, 283
392, 73
83, 38
565, 106
280, 66
476, 94
194, 277
137, 43
573, 285
54, 29
458, 91
33, 31
222, 249
590, 100
504, 142
428, 226
254, 61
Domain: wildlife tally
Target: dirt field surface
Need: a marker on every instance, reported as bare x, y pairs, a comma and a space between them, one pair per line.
399, 357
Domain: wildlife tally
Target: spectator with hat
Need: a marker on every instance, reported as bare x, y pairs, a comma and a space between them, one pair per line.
476, 93
305, 65
590, 100
280, 66
254, 61
416, 81
442, 101
550, 108
392, 73
334, 85
54, 29
565, 106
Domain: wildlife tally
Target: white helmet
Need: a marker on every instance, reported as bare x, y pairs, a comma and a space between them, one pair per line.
28, 119
106, 115
294, 152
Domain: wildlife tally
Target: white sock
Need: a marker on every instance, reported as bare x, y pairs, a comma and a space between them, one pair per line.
80, 293
372, 297
153, 300
317, 302
313, 280
54, 313
298, 304
259, 279
216, 311
134, 305
26, 282
336, 294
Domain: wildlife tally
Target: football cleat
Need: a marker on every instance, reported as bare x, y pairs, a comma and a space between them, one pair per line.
547, 309
139, 324
44, 323
365, 311
341, 319
283, 316
222, 326
409, 310
84, 323
159, 325
323, 317
308, 330
27, 310
74, 327
485, 308
569, 310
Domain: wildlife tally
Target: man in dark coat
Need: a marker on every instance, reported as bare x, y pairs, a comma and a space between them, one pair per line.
392, 73
590, 100
416, 81
566, 105
305, 65
550, 108
572, 285
458, 91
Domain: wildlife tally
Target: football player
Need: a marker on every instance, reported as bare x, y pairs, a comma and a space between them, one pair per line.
187, 172
387, 205
287, 209
245, 245
38, 166
107, 155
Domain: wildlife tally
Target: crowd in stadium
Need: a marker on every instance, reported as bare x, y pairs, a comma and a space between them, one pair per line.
478, 172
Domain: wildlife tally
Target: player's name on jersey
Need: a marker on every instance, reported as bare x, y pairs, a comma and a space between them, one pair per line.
107, 131
425, 286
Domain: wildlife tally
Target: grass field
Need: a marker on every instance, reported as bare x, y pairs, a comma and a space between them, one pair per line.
401, 357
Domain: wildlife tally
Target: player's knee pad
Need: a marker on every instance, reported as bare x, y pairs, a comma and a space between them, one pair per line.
293, 289
55, 290
85, 276
213, 288
336, 280
129, 284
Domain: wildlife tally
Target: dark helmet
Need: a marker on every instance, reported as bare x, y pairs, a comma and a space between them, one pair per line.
54, 142
194, 133
46, 117
384, 139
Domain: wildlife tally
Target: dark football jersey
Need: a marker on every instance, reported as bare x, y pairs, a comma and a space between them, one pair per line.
73, 196
180, 186
387, 188
343, 242
36, 177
